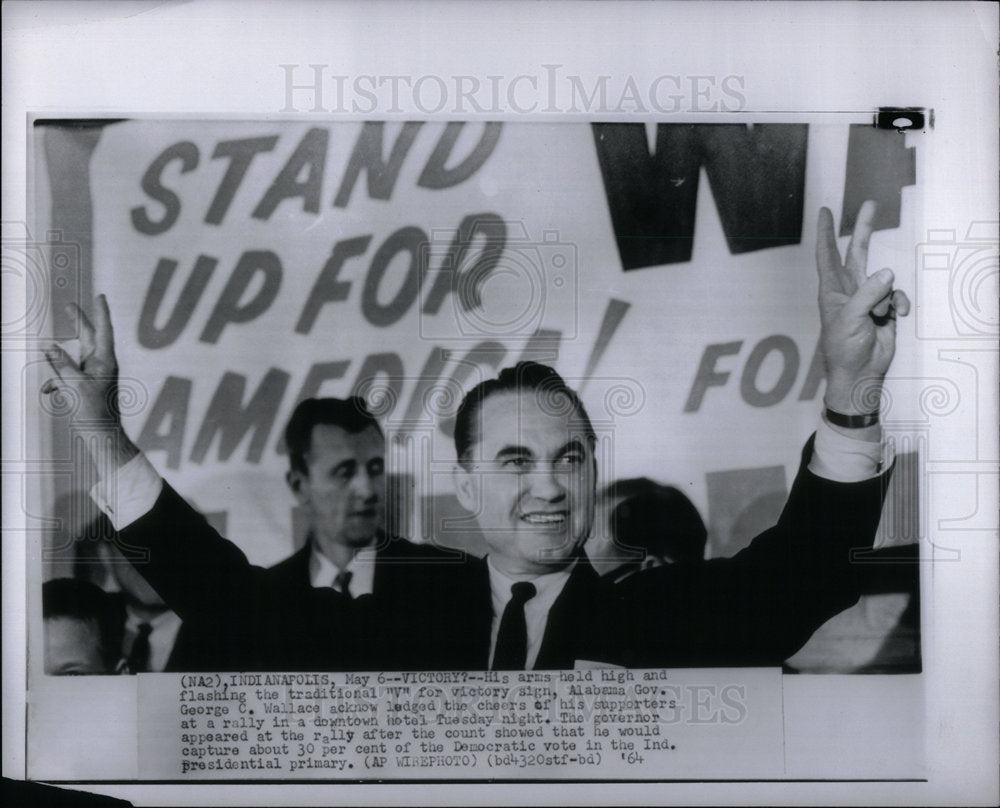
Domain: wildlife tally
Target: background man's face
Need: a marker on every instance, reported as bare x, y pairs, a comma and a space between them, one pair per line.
530, 482
343, 491
72, 647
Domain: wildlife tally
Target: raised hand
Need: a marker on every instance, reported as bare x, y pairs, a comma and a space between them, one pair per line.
93, 383
858, 316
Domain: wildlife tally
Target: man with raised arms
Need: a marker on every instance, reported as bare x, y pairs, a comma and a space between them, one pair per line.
526, 469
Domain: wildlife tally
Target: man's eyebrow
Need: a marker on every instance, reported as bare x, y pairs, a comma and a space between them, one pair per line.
575, 445
513, 451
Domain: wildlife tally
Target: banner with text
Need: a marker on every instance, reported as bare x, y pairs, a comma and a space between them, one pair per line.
666, 271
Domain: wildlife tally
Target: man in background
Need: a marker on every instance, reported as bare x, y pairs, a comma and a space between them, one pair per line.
153, 638
351, 598
645, 525
83, 628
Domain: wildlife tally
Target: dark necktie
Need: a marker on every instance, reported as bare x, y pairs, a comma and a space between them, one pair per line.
343, 583
138, 657
512, 639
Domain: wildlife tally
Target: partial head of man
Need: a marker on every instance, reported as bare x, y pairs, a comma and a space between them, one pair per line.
336, 452
82, 628
526, 468
648, 525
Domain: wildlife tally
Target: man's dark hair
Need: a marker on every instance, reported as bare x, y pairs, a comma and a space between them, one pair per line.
549, 386
657, 518
81, 600
351, 415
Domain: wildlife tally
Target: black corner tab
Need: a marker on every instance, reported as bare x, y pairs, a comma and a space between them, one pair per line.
903, 119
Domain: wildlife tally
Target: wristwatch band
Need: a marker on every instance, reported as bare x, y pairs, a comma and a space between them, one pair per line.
851, 421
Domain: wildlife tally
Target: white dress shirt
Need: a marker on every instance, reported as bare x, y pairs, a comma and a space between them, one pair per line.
164, 627
323, 572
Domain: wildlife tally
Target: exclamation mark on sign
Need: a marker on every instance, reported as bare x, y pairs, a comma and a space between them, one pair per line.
614, 313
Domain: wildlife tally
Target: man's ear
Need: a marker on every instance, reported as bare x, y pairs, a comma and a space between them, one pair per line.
466, 487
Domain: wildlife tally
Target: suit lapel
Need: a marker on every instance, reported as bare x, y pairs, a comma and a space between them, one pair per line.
575, 628
292, 574
482, 615
417, 597
382, 583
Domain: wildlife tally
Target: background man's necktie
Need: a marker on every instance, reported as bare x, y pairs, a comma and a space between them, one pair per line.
138, 657
512, 639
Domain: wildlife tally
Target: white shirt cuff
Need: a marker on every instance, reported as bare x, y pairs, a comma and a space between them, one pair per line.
129, 492
848, 460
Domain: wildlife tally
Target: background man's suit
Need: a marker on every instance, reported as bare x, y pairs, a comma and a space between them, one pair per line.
241, 617
432, 608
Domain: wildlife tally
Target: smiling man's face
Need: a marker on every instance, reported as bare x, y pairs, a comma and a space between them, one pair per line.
529, 481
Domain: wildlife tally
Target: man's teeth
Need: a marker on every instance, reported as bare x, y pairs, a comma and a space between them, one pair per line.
544, 518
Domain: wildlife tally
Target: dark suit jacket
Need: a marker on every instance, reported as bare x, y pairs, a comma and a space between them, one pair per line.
431, 608
238, 616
